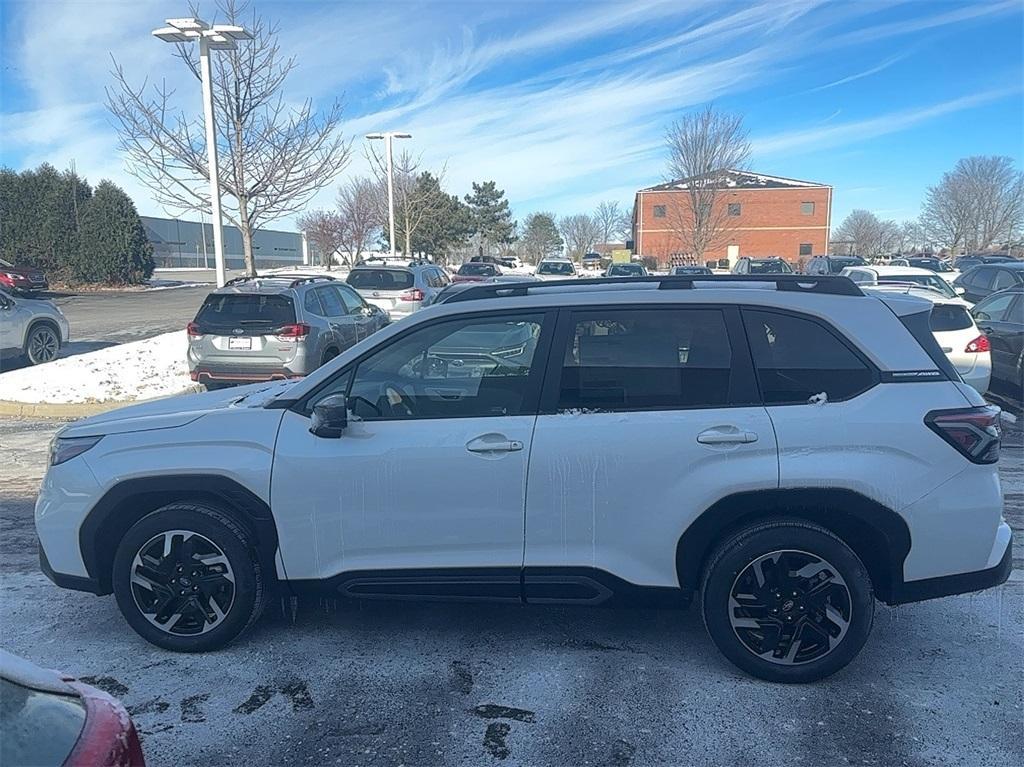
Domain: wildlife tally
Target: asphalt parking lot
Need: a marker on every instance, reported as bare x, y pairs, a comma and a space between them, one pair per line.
939, 683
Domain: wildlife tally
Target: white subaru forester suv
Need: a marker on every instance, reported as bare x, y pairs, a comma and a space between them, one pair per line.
784, 449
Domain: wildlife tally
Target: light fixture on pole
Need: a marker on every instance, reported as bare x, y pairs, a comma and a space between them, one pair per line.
388, 137
218, 37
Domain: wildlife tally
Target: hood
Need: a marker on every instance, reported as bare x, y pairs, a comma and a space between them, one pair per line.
170, 412
24, 271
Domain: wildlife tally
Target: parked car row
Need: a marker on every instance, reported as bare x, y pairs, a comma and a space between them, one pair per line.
806, 449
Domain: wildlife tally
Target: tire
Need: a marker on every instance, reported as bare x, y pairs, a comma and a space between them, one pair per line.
231, 584
787, 601
42, 344
329, 355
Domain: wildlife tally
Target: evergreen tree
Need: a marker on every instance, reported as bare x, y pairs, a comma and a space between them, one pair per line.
491, 216
40, 210
113, 246
446, 222
540, 237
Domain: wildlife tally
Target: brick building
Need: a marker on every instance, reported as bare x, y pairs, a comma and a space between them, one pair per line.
765, 215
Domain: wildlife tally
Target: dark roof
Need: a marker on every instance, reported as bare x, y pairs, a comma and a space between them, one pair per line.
739, 179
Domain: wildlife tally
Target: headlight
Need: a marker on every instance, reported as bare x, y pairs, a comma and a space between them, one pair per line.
65, 448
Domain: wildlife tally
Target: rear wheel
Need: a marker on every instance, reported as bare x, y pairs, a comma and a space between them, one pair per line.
787, 601
187, 579
42, 344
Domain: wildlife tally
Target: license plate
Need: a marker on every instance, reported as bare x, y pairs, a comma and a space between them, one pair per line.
239, 343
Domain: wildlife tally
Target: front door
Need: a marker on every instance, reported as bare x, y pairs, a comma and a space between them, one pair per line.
651, 416
430, 474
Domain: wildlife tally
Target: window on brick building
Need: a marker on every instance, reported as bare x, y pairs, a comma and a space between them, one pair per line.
734, 208
659, 211
805, 248
807, 208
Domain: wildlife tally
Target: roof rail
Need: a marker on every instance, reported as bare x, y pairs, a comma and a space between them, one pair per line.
293, 279
796, 283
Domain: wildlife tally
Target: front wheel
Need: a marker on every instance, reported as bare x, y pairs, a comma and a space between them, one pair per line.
186, 578
42, 344
787, 601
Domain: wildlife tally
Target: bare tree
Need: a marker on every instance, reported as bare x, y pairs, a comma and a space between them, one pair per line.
325, 229
977, 205
612, 222
415, 203
870, 235
910, 238
580, 233
703, 147
275, 156
359, 206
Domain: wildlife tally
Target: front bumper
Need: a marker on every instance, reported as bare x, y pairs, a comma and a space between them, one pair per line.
961, 583
74, 582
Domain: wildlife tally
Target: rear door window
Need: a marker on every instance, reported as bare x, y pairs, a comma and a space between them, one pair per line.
650, 359
380, 279
331, 301
241, 310
312, 304
997, 309
797, 359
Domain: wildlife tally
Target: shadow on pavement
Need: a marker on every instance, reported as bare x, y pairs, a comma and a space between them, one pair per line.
70, 350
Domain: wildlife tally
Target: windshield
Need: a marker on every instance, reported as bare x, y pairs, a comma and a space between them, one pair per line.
380, 279
626, 270
478, 270
556, 267
770, 267
928, 280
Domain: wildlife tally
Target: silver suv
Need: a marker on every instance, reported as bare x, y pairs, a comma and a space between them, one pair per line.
399, 290
285, 326
31, 327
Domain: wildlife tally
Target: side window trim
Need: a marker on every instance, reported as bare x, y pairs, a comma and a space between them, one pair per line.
743, 389
876, 376
537, 368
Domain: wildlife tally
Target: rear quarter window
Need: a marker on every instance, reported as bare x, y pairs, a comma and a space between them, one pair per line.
797, 358
946, 318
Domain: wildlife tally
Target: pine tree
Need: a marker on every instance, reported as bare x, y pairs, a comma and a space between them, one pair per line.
491, 216
540, 237
113, 246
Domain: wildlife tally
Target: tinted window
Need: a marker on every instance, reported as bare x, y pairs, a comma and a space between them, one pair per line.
997, 308
797, 359
478, 269
476, 367
349, 299
626, 270
1004, 279
330, 301
932, 281
770, 267
380, 279
981, 278
312, 304
241, 310
556, 267
950, 318
620, 359
805, 248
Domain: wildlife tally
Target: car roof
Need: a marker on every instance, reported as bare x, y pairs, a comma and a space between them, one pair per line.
887, 271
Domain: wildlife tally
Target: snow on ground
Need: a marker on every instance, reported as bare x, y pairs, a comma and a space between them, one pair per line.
154, 367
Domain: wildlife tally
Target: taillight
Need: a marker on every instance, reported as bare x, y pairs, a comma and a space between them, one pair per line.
292, 332
979, 344
973, 431
415, 294
194, 331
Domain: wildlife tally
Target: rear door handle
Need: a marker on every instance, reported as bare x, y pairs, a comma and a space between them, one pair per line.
493, 443
721, 437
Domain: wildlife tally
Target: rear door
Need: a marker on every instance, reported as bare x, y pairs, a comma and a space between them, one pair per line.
1001, 318
343, 327
649, 417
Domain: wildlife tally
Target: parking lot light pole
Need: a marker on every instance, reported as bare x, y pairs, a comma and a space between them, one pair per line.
218, 37
388, 138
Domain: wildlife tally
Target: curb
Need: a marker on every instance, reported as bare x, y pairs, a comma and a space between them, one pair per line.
11, 409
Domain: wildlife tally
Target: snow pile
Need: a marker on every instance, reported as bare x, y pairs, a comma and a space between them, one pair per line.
154, 367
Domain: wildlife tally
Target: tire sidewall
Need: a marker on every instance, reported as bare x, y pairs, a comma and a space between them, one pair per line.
744, 549
33, 331
240, 557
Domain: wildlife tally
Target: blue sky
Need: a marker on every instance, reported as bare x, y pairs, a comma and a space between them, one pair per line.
565, 103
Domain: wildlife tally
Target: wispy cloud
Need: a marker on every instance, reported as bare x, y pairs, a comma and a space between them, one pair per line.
857, 76
812, 139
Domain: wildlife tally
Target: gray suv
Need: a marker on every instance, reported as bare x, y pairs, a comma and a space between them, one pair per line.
283, 326
399, 290
31, 327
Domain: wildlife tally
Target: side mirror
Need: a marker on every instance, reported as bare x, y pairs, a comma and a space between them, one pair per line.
330, 417
959, 290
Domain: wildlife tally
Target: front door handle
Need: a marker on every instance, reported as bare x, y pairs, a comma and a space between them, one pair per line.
732, 436
493, 443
